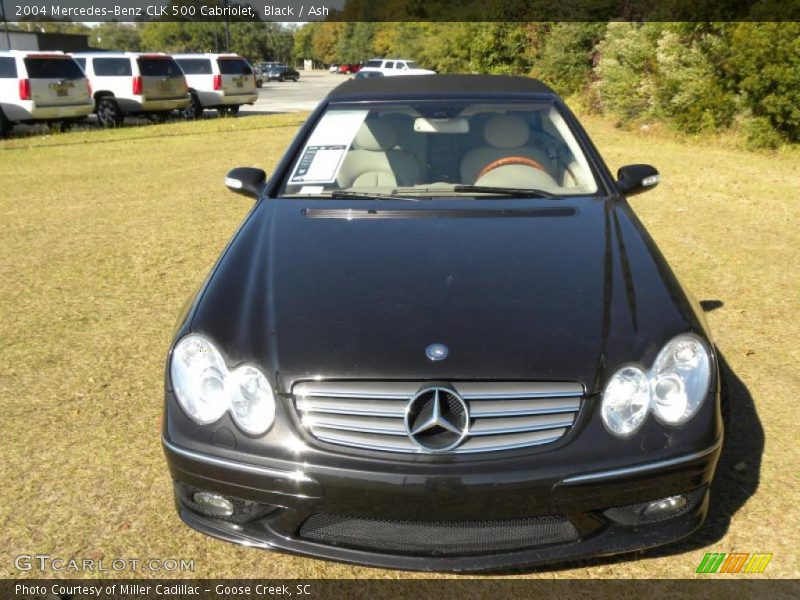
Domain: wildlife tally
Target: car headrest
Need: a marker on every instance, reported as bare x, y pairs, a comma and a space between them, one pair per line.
376, 135
506, 131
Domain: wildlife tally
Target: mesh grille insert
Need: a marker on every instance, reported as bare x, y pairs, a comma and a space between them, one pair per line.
438, 538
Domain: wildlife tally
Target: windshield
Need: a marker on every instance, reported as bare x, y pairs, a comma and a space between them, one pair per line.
432, 148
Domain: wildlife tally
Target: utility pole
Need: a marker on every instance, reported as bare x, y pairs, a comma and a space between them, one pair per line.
227, 30
5, 24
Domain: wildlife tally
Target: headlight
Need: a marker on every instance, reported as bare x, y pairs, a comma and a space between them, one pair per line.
205, 388
674, 388
679, 379
252, 401
198, 376
626, 401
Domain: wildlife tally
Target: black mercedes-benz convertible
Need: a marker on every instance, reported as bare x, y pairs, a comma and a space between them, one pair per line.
442, 340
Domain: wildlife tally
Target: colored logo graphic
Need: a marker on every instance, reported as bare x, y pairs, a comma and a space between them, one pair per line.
735, 562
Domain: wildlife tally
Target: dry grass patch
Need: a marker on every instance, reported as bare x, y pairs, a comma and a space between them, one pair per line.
106, 233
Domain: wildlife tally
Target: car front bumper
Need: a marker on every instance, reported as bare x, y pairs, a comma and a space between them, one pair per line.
386, 494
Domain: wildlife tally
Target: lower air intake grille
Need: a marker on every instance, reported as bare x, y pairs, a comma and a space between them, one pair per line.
438, 538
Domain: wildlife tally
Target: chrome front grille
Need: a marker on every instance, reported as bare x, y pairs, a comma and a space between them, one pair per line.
502, 415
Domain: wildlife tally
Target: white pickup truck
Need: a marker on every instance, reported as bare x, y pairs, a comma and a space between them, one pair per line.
395, 66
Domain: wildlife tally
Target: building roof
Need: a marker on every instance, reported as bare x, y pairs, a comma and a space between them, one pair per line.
438, 85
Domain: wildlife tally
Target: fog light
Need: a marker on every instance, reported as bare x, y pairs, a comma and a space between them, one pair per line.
664, 507
213, 504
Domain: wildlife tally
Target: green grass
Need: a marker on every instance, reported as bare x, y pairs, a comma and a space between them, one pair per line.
105, 234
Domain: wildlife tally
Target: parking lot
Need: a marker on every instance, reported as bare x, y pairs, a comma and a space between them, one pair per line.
280, 97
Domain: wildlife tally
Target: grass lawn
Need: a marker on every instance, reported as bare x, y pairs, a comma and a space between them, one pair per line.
105, 234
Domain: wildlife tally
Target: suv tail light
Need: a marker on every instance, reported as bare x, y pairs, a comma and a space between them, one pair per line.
137, 86
24, 89
217, 82
89, 87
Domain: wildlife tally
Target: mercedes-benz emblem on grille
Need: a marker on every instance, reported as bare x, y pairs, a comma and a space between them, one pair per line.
437, 419
437, 351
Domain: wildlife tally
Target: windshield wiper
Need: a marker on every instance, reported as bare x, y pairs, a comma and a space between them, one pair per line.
347, 195
513, 192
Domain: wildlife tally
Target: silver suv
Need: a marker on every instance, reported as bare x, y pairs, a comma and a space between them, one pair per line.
130, 83
220, 81
42, 87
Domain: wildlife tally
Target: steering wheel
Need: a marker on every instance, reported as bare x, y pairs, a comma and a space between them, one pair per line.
510, 160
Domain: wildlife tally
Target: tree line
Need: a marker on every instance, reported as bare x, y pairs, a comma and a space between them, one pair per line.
696, 77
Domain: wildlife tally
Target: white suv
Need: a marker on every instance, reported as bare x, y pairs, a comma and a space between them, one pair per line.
220, 81
37, 86
395, 66
132, 83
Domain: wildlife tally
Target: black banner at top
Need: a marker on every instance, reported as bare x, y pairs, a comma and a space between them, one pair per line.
298, 11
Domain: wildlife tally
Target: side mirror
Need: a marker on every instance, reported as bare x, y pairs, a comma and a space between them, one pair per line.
246, 181
635, 179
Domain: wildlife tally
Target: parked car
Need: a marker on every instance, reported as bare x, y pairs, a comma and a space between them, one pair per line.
46, 87
349, 69
334, 68
442, 340
130, 83
396, 66
218, 81
367, 74
282, 73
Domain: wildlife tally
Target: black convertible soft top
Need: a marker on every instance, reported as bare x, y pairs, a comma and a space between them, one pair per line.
437, 85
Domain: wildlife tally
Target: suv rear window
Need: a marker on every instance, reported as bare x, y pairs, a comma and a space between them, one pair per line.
81, 63
53, 68
159, 67
195, 66
234, 66
8, 67
112, 67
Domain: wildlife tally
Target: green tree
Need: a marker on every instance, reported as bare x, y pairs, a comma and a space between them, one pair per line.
565, 59
116, 36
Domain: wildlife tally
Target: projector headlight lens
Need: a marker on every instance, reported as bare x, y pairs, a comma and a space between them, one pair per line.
680, 378
252, 400
626, 401
205, 388
198, 376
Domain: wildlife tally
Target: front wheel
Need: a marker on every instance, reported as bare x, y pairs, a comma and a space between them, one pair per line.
194, 110
228, 111
108, 112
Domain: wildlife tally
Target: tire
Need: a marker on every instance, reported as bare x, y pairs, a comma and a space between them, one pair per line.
281, 79
5, 125
259, 83
108, 112
194, 110
228, 111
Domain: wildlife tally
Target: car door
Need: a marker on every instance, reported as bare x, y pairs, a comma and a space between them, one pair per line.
162, 78
236, 76
55, 80
9, 86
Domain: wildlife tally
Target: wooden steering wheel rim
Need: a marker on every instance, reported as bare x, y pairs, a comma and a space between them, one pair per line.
509, 160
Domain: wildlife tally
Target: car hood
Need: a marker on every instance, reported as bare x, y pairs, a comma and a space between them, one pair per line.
549, 291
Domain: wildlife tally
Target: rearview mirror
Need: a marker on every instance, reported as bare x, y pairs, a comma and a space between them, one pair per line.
635, 179
246, 181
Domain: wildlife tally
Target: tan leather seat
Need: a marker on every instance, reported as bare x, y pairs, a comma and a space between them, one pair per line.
373, 161
505, 136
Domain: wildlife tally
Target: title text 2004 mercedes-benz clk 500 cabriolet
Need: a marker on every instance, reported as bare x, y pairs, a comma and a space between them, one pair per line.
442, 340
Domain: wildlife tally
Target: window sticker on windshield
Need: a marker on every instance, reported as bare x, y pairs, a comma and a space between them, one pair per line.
325, 150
